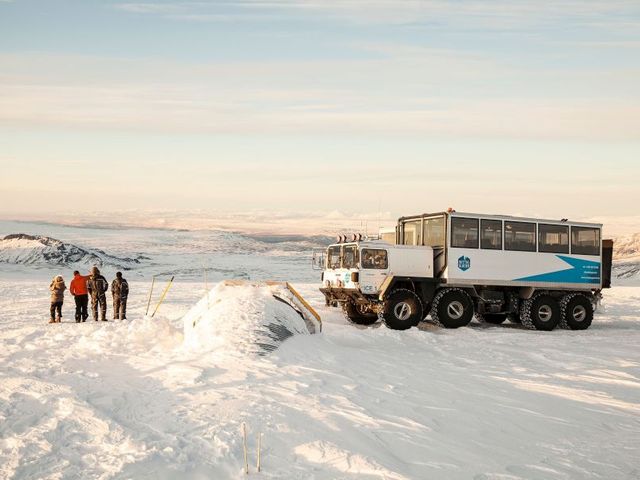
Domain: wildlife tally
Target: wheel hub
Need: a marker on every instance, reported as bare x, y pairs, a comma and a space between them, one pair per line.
545, 313
402, 311
579, 313
455, 310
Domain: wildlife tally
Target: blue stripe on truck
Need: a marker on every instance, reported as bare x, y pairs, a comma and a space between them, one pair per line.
581, 271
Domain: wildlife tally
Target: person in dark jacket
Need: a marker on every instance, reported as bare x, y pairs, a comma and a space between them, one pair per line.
120, 292
78, 289
97, 286
57, 288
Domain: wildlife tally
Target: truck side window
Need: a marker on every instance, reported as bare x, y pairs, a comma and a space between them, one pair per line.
374, 258
350, 256
464, 232
520, 236
412, 233
585, 241
333, 257
491, 236
434, 232
553, 238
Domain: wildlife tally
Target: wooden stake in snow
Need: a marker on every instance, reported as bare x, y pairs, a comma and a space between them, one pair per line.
259, 448
244, 446
153, 281
206, 287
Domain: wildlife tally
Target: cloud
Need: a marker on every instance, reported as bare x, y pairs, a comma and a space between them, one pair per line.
495, 14
417, 92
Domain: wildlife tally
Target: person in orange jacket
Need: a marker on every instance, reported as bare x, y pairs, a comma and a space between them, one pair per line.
78, 289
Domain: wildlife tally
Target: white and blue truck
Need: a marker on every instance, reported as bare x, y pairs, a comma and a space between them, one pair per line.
451, 266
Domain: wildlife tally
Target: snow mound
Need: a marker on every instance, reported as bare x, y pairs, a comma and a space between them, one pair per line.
244, 319
23, 249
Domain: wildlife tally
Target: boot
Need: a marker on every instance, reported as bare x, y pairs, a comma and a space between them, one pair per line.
59, 319
53, 320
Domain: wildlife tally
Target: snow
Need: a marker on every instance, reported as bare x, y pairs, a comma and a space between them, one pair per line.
152, 398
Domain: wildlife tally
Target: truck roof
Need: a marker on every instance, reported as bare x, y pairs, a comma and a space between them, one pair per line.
380, 244
504, 217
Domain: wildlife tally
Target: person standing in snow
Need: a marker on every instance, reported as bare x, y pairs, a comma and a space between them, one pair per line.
57, 288
97, 287
120, 292
78, 289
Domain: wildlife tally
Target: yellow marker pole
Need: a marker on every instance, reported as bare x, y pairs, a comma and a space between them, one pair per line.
164, 294
304, 303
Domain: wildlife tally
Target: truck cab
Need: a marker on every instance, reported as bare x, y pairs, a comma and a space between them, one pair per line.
358, 275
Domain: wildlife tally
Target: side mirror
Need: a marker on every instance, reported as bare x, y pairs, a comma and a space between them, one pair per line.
317, 260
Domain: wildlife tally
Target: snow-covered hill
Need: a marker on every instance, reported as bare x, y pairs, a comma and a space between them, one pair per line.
38, 250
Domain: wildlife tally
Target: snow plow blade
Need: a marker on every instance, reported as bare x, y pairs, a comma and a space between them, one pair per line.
285, 292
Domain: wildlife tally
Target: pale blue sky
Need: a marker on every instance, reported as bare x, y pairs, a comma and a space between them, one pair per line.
308, 105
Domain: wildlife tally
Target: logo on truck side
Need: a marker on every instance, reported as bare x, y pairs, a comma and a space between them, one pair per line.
464, 263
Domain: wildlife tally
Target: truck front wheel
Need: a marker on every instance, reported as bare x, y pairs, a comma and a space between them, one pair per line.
355, 314
452, 308
402, 310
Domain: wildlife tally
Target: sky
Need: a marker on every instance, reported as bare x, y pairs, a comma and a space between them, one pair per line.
319, 108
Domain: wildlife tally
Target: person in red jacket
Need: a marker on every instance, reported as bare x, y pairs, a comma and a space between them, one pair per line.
78, 289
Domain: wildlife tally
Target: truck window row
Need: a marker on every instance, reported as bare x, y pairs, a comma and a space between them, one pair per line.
346, 256
524, 236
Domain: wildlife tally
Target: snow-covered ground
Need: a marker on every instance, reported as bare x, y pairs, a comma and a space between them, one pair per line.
132, 399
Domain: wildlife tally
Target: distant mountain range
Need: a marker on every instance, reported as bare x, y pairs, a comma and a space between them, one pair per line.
626, 256
38, 250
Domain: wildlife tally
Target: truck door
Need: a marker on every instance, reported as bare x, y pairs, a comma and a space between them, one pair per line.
375, 268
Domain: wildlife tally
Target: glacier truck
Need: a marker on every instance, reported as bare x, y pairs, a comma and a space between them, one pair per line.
452, 266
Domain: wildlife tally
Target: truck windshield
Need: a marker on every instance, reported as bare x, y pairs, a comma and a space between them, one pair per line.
350, 256
333, 257
374, 258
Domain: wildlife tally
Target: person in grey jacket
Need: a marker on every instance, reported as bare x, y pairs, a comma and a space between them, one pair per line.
97, 287
57, 288
120, 292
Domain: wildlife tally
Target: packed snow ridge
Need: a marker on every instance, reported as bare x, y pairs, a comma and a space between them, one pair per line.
23, 249
244, 319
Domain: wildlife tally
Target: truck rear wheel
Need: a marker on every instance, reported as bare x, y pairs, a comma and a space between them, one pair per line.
355, 314
452, 308
576, 312
540, 312
402, 310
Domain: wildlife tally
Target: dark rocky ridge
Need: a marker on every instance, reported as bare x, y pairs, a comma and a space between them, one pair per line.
23, 249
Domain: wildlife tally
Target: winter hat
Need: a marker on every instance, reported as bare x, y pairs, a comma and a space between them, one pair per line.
119, 274
59, 278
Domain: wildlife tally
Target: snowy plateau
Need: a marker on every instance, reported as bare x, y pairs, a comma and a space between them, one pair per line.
167, 397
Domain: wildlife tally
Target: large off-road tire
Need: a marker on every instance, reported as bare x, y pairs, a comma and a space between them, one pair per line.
355, 314
576, 311
540, 312
402, 310
452, 308
495, 318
